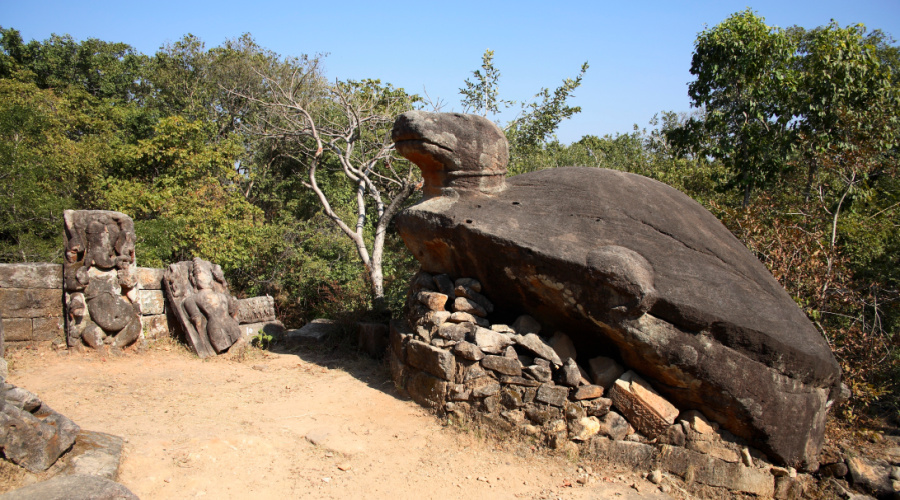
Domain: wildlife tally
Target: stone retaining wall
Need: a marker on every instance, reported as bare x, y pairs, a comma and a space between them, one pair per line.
31, 303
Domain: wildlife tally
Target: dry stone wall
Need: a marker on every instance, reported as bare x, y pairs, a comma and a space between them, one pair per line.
448, 356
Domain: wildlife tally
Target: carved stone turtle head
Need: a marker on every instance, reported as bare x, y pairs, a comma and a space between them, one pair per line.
456, 152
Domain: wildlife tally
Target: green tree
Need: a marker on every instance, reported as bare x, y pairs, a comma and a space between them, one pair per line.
744, 77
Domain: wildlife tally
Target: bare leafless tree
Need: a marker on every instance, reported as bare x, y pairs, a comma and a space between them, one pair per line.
346, 126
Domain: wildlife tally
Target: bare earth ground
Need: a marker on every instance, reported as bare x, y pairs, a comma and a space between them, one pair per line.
292, 425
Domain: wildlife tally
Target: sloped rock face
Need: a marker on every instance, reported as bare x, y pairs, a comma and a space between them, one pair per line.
621, 260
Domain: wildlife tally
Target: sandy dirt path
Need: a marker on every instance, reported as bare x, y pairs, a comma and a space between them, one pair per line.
307, 425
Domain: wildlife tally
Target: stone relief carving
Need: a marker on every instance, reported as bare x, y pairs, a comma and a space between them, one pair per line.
100, 279
200, 299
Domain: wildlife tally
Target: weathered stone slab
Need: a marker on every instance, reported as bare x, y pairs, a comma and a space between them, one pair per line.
31, 303
427, 390
552, 395
31, 275
432, 300
872, 475
314, 331
644, 408
400, 335
155, 327
691, 465
468, 351
540, 348
502, 364
433, 360
17, 329
152, 302
605, 371
588, 392
95, 454
48, 329
150, 278
256, 309
35, 441
490, 341
274, 328
72, 487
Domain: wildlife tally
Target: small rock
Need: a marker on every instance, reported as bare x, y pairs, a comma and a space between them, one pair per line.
462, 304
484, 387
605, 371
464, 317
501, 328
481, 300
472, 283
837, 470
655, 476
536, 345
615, 426
746, 459
511, 353
552, 395
502, 364
588, 427
562, 344
597, 407
432, 300
539, 373
588, 392
490, 341
571, 375
469, 351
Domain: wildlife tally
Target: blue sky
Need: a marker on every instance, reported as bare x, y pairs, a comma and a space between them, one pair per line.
639, 52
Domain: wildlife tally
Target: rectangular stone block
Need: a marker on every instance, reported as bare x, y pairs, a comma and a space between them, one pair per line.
31, 303
256, 309
152, 302
274, 328
48, 329
31, 275
433, 360
644, 408
693, 466
155, 327
400, 335
17, 329
150, 278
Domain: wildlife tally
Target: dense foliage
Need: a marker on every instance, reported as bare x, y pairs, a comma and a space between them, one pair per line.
255, 161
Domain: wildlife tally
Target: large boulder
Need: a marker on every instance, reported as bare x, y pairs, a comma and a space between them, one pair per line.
621, 261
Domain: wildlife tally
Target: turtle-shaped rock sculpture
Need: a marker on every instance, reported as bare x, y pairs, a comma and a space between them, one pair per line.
623, 264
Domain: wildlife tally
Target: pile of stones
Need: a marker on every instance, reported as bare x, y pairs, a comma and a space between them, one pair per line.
448, 356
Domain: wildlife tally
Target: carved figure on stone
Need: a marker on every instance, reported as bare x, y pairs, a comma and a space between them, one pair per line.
100, 279
199, 296
626, 264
